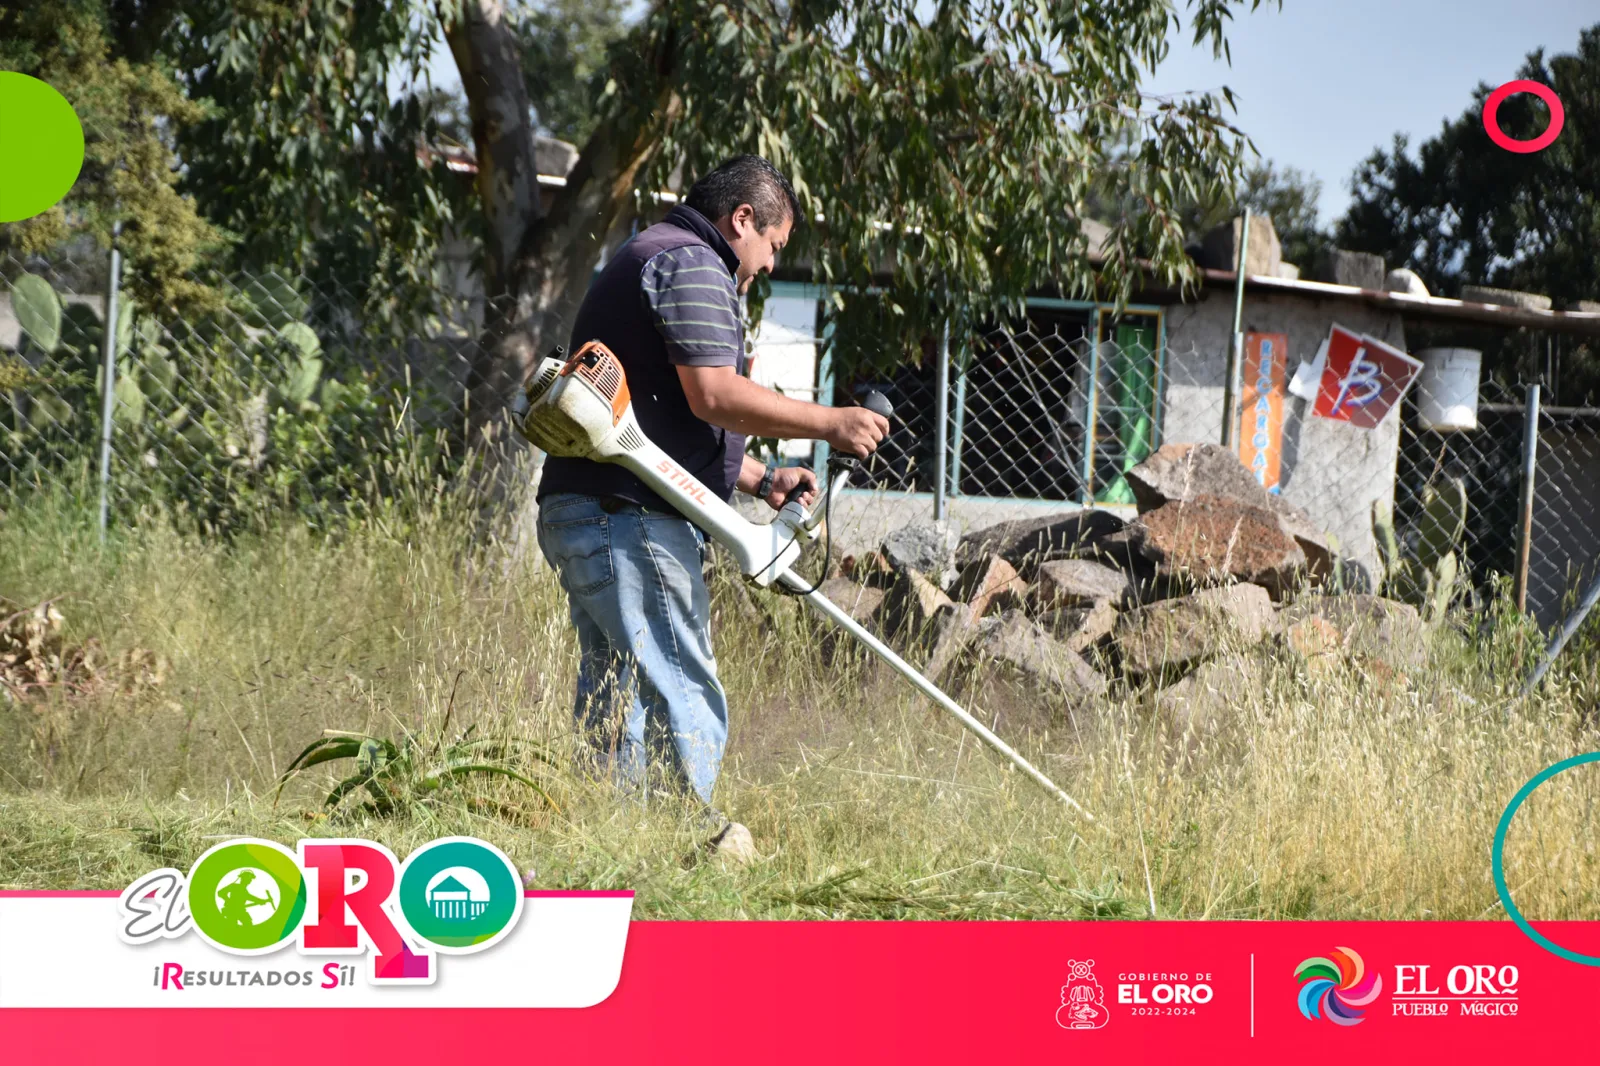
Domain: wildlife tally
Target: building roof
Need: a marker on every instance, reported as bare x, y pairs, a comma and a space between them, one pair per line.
1435, 307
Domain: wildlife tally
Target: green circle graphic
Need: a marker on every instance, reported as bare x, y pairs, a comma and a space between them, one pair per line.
228, 933
459, 894
1497, 860
41, 145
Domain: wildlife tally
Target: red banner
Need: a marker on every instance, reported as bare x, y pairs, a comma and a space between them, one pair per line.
927, 992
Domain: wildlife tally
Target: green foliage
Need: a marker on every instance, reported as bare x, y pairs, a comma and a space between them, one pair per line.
308, 151
38, 311
227, 419
1287, 196
952, 149
132, 111
1461, 210
248, 135
399, 776
565, 46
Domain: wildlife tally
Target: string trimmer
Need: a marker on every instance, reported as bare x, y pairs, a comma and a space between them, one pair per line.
580, 408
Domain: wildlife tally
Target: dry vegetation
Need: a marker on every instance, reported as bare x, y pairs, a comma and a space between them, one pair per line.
1322, 795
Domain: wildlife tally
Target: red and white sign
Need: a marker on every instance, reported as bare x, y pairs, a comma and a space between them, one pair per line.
1362, 379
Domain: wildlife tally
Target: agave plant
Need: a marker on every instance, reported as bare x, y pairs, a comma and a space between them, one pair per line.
397, 775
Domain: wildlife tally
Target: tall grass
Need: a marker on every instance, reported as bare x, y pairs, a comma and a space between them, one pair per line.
1326, 794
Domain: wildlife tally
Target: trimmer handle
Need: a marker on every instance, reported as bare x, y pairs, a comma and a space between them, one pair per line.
878, 403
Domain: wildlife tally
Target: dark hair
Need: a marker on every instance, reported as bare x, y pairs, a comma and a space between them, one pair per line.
745, 179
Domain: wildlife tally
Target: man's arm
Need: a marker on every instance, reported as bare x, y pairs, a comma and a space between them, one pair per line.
695, 306
717, 394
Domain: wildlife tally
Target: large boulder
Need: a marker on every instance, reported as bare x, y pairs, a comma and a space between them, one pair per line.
1026, 652
910, 609
1079, 583
923, 545
1219, 248
1025, 543
868, 568
1178, 472
860, 602
1080, 628
989, 584
1340, 266
1209, 540
1165, 637
1483, 294
1369, 628
1196, 706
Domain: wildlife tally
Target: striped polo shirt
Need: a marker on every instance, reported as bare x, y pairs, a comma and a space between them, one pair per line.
667, 299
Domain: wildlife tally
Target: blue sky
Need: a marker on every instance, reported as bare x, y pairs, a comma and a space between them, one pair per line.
1323, 82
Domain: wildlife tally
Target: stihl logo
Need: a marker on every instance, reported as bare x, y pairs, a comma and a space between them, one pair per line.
687, 484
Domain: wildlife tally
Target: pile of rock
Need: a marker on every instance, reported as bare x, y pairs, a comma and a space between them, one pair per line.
1069, 602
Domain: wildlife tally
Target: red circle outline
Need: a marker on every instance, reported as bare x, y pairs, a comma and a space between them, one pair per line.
1491, 126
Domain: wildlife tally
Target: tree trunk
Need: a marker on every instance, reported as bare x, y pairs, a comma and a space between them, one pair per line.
537, 263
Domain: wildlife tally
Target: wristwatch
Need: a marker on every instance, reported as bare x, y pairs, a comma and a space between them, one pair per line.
764, 489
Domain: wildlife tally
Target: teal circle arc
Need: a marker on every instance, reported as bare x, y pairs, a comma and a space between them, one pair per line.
1497, 860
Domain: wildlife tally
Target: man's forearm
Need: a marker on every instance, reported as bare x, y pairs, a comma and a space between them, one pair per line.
750, 475
739, 404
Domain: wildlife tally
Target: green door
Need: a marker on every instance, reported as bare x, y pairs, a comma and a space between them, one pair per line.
1126, 410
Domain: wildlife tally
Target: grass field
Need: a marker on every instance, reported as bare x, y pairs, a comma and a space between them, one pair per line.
1322, 796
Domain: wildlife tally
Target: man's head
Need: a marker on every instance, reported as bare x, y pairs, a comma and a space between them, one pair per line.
753, 206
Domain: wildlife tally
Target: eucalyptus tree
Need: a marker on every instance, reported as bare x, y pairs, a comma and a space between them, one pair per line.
939, 148
936, 148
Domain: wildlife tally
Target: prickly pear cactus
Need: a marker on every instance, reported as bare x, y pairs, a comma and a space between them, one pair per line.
38, 311
1443, 522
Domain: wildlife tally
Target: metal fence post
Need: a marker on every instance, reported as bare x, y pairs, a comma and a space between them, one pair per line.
959, 431
825, 385
1530, 456
941, 388
1590, 597
1231, 389
108, 376
1091, 416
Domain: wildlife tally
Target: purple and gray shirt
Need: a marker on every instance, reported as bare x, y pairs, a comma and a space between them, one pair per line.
667, 299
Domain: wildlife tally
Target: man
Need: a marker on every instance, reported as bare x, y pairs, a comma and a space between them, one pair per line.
668, 306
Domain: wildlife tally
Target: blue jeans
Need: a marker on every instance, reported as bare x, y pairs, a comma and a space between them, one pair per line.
647, 679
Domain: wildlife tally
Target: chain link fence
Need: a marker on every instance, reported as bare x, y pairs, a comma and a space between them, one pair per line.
276, 398
1059, 407
281, 400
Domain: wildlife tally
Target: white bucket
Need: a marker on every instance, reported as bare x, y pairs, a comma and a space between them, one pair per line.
1447, 388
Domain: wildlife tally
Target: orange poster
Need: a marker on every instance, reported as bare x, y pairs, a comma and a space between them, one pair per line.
1266, 366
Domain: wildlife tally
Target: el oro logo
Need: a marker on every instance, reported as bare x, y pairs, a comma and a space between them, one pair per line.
452, 896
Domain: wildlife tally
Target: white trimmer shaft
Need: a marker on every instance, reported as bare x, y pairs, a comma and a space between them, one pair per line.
839, 616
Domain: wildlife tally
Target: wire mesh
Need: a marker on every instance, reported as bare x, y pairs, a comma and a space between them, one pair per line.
280, 398
1060, 406
275, 397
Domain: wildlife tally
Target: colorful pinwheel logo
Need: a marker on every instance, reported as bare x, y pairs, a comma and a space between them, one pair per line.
1336, 987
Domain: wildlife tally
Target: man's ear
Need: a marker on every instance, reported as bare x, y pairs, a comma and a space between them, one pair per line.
743, 218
